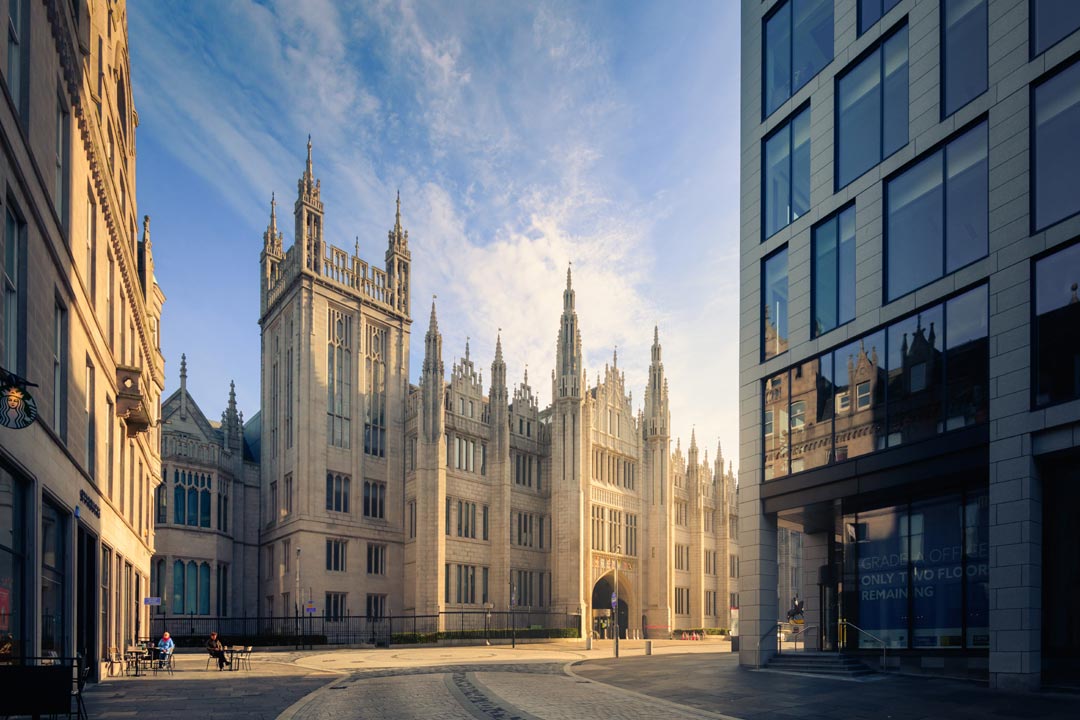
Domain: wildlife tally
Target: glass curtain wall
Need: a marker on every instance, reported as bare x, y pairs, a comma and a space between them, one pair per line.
916, 574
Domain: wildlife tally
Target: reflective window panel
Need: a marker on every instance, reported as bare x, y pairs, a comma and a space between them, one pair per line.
872, 107
774, 311
1057, 147
964, 56
798, 44
916, 372
967, 359
834, 271
1051, 21
1057, 317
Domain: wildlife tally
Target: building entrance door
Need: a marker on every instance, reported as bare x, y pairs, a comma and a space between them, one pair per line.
603, 622
86, 598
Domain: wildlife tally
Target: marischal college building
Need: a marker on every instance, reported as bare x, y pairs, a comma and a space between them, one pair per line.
359, 494
910, 375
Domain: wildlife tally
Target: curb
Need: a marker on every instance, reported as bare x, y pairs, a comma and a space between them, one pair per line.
290, 712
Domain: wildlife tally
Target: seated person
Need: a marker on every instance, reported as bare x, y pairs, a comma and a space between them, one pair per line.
165, 649
217, 650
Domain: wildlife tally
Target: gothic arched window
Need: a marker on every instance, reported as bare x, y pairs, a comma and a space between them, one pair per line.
178, 587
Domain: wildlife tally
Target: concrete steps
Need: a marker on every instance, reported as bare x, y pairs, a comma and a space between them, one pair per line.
820, 663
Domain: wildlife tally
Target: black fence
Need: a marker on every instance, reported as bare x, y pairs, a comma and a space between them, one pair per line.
310, 630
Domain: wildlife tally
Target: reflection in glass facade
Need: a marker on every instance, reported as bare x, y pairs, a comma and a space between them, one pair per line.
964, 53
916, 575
834, 271
1056, 147
1057, 318
774, 426
798, 44
870, 11
922, 374
786, 177
936, 214
774, 309
872, 109
1052, 20
916, 373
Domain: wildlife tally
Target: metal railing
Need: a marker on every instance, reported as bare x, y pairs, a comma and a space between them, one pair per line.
308, 630
875, 638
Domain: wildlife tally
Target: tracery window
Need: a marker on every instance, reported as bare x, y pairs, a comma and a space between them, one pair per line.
375, 373
338, 378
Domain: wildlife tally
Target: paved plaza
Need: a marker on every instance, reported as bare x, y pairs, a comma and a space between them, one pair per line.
556, 681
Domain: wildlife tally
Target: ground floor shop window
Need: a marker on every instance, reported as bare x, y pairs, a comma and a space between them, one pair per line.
916, 574
53, 574
12, 564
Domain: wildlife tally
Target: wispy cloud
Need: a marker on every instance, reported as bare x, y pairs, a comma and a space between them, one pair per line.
519, 145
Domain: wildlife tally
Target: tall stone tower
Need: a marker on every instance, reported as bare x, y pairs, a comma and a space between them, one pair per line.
569, 479
335, 365
657, 493
426, 557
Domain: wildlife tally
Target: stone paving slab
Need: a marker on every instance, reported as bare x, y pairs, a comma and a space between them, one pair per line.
562, 697
261, 693
717, 683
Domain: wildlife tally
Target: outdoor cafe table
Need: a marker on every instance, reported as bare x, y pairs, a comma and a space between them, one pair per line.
136, 655
233, 651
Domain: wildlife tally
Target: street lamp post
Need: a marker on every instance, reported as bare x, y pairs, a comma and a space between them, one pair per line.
296, 603
615, 599
513, 619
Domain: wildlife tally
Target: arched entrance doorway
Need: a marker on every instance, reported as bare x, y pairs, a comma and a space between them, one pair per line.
602, 620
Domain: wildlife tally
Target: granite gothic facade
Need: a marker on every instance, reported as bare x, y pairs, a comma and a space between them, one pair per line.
380, 497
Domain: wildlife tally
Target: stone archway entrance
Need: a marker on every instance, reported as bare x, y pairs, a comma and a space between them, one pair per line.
602, 622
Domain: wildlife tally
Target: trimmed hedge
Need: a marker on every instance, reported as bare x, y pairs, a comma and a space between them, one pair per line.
410, 638
190, 641
699, 631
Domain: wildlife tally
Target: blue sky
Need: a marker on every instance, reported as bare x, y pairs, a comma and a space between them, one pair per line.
522, 136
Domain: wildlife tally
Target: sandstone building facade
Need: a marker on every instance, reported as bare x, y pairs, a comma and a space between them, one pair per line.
80, 314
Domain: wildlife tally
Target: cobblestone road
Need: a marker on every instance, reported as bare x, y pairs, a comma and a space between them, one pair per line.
535, 691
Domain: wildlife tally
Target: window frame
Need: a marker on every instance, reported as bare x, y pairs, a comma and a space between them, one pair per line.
1032, 51
941, 147
834, 216
1033, 325
787, 123
789, 7
1033, 86
761, 312
942, 36
859, 14
878, 46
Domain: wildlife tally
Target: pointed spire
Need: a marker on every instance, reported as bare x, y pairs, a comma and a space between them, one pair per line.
183, 385
693, 438
466, 347
310, 174
498, 347
615, 359
146, 231
568, 267
526, 383
397, 214
656, 334
232, 395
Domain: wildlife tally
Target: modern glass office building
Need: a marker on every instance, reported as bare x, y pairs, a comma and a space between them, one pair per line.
910, 342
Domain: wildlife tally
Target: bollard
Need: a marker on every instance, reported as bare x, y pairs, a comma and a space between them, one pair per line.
588, 642
648, 647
